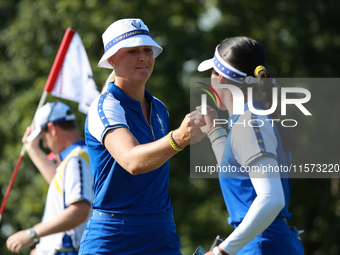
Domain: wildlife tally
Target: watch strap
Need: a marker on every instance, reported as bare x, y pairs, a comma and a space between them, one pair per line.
217, 251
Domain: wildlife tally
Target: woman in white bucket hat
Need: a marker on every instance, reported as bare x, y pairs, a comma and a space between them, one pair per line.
126, 132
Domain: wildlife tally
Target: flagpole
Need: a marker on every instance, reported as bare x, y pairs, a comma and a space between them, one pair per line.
58, 63
52, 77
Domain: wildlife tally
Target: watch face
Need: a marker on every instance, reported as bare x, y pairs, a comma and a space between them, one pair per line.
199, 251
31, 233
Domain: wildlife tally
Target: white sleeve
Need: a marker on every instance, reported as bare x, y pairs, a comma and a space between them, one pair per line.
264, 209
105, 113
218, 147
78, 181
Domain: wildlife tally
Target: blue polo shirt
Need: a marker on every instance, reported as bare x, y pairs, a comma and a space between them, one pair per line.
115, 189
250, 136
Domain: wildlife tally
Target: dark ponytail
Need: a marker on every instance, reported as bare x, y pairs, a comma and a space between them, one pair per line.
266, 87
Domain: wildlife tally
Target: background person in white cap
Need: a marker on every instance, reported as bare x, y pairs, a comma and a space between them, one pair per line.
129, 145
70, 192
257, 202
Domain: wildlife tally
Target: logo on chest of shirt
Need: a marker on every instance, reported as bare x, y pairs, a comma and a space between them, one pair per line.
160, 121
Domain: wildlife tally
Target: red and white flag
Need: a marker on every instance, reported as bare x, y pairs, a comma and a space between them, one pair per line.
75, 79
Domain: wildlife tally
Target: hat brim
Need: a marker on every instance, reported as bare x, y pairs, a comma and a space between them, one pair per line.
141, 40
206, 65
34, 134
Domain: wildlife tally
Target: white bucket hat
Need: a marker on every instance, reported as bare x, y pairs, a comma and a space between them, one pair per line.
126, 33
55, 112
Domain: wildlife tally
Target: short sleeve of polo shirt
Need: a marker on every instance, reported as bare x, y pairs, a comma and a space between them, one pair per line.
78, 181
252, 137
105, 114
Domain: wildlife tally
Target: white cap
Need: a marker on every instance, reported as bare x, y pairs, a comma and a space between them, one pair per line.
225, 69
55, 112
206, 65
126, 33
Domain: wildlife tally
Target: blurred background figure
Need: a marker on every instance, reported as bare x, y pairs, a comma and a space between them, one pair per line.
70, 193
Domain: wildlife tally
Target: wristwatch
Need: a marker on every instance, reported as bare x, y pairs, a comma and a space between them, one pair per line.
216, 251
31, 233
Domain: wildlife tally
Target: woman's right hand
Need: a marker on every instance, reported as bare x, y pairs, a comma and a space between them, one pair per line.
188, 132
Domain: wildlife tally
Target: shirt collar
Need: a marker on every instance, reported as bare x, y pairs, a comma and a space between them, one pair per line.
125, 99
70, 148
